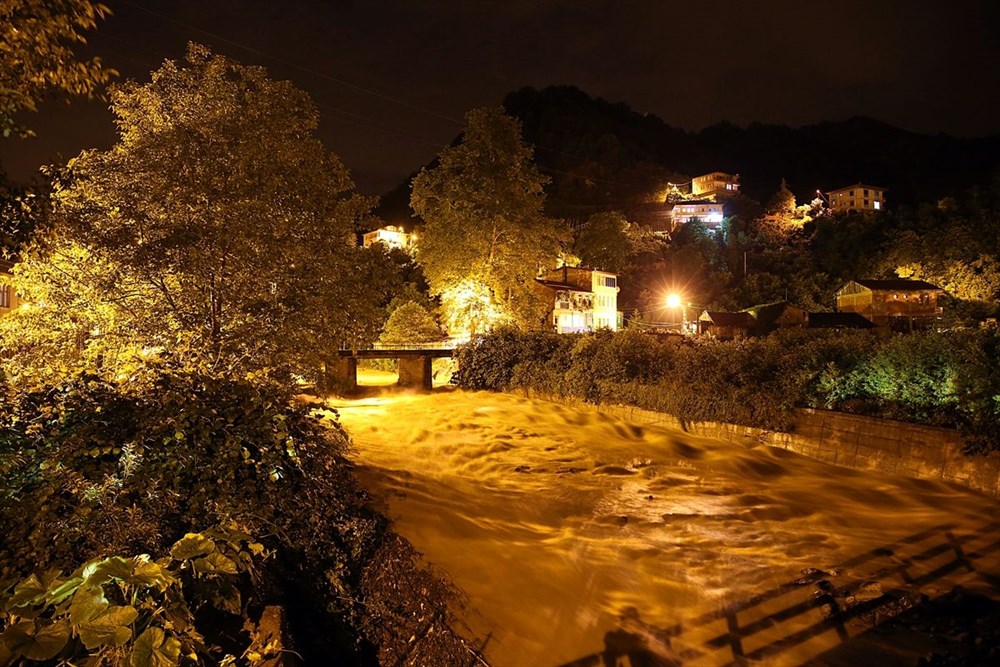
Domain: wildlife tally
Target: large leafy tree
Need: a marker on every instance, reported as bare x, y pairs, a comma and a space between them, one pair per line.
37, 38
217, 228
486, 232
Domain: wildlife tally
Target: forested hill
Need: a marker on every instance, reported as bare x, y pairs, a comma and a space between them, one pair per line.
605, 155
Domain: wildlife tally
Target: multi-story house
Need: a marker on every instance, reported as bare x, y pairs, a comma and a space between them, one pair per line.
899, 304
708, 212
391, 236
859, 197
717, 183
581, 299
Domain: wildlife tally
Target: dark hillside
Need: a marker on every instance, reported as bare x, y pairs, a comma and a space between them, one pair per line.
603, 155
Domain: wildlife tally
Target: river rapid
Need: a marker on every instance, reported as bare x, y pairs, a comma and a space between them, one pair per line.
576, 535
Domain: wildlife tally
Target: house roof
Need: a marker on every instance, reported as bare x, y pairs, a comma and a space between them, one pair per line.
839, 321
856, 186
562, 286
697, 202
726, 319
768, 313
896, 285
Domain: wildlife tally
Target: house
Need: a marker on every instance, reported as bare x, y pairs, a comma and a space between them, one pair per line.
581, 299
391, 236
725, 325
778, 315
707, 211
899, 304
715, 184
8, 298
858, 197
839, 321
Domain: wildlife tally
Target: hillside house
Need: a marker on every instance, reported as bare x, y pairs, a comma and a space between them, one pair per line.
725, 325
899, 304
858, 197
707, 211
8, 298
717, 183
778, 315
581, 299
390, 236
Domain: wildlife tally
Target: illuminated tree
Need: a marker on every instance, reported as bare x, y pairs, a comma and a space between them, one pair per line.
36, 54
216, 228
482, 205
410, 323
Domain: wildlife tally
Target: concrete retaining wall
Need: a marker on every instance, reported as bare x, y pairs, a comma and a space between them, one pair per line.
853, 441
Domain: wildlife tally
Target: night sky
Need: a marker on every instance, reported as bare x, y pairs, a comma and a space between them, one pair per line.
393, 78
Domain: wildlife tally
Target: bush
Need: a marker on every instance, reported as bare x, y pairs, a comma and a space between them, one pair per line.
948, 379
89, 467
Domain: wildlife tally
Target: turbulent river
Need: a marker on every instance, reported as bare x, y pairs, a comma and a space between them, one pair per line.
576, 535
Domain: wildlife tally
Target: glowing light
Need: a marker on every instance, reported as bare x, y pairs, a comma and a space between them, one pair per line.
673, 301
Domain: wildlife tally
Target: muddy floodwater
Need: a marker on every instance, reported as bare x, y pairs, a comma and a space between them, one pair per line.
574, 534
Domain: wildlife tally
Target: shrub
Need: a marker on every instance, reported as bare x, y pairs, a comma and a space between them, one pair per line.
947, 378
90, 467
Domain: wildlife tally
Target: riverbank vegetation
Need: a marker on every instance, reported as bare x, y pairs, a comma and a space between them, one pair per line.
949, 379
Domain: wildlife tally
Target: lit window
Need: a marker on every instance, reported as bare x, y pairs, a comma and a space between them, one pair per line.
878, 205
4, 296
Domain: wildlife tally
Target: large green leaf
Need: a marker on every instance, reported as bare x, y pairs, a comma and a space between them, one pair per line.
29, 591
154, 649
64, 590
215, 563
148, 573
88, 603
27, 639
109, 629
192, 545
99, 572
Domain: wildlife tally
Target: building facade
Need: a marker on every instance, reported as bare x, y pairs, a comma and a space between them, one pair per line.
859, 197
900, 305
581, 299
717, 183
391, 236
8, 297
708, 212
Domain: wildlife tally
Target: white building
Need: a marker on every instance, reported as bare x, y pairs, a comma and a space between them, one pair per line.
708, 212
391, 236
581, 299
717, 183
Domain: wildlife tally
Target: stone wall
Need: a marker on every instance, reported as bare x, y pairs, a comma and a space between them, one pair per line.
853, 441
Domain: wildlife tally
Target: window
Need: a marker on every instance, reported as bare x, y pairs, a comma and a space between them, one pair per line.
878, 205
4, 296
866, 203
852, 193
866, 192
610, 281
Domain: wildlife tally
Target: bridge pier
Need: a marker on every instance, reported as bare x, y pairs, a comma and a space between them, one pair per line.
342, 375
416, 372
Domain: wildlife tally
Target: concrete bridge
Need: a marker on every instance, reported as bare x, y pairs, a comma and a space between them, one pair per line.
414, 364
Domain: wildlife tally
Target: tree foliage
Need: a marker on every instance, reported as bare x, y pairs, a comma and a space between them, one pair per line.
36, 54
217, 227
604, 242
410, 323
482, 204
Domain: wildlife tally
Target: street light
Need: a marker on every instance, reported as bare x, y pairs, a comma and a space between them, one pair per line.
674, 302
